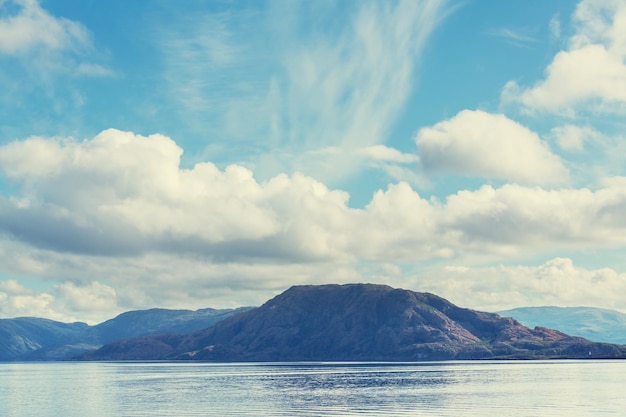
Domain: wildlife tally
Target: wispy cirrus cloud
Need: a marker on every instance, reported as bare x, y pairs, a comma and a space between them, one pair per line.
300, 87
518, 37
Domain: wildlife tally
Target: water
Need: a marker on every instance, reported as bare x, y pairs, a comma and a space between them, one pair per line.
485, 389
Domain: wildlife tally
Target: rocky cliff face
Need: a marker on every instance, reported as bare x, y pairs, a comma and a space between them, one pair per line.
359, 322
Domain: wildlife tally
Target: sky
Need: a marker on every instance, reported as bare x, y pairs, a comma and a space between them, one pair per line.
215, 153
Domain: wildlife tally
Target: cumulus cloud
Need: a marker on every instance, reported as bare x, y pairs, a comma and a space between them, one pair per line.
482, 144
65, 302
126, 194
591, 73
99, 287
399, 224
522, 218
509, 222
556, 282
19, 301
88, 299
121, 193
119, 209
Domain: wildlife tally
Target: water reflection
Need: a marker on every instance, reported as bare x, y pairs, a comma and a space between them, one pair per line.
348, 389
486, 389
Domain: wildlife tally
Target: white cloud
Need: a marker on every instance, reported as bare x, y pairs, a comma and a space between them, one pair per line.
573, 138
125, 194
167, 280
556, 282
37, 156
581, 76
515, 218
600, 21
172, 282
46, 45
385, 153
19, 301
482, 144
65, 302
398, 166
591, 74
33, 28
490, 223
118, 209
400, 225
88, 299
400, 173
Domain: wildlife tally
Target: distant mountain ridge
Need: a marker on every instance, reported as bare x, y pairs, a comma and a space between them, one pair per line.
25, 336
29, 338
599, 325
362, 322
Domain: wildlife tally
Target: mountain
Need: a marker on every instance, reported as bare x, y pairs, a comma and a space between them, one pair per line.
159, 320
29, 338
595, 324
358, 322
23, 336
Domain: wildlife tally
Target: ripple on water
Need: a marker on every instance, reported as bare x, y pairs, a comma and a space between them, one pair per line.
485, 389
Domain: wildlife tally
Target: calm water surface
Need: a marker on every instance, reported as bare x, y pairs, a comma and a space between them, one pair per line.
485, 389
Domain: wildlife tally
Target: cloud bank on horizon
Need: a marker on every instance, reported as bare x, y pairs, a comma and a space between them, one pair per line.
212, 155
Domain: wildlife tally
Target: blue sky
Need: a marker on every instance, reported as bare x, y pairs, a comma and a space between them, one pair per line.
214, 153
